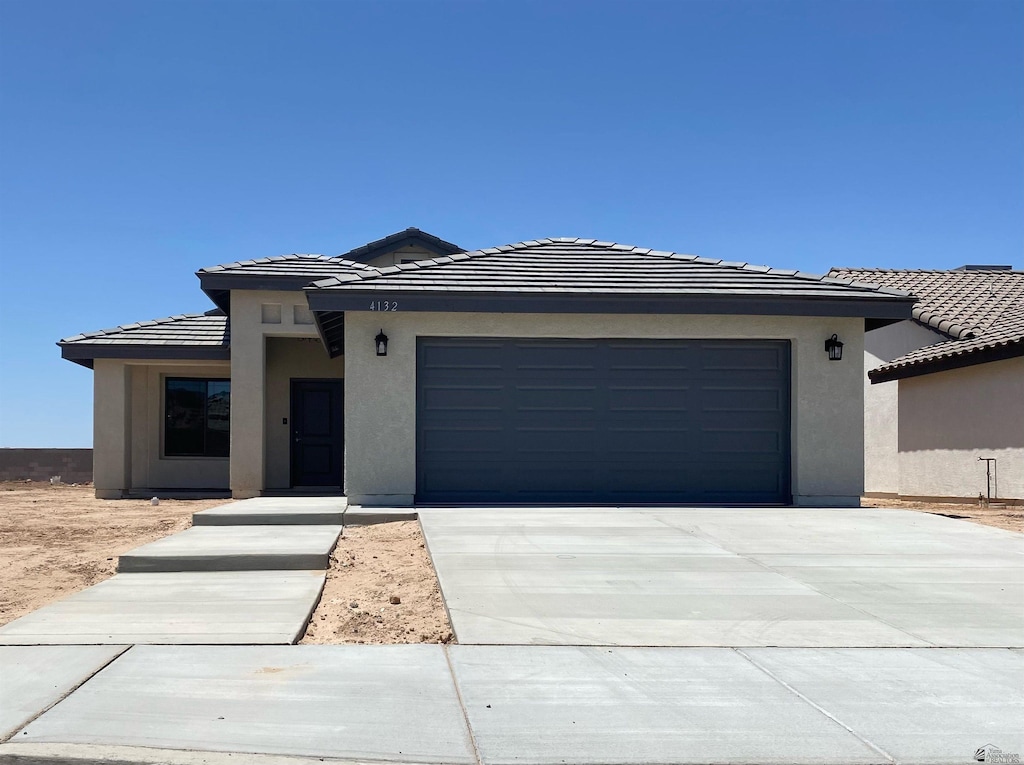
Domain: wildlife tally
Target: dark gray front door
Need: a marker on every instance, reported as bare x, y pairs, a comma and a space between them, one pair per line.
318, 431
607, 421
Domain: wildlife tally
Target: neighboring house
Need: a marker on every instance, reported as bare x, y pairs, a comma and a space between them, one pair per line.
946, 387
554, 370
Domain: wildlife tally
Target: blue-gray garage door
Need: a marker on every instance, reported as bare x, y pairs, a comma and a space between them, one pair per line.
502, 420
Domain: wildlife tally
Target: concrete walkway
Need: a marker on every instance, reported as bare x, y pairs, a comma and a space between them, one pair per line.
210, 584
536, 704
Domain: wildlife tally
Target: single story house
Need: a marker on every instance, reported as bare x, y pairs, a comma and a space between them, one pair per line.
944, 390
549, 371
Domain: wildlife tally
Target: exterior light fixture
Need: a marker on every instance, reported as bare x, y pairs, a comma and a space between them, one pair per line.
833, 346
381, 341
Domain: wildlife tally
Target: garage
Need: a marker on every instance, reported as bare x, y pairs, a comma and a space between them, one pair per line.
609, 421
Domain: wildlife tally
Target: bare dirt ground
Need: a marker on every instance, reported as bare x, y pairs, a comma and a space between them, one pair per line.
55, 540
1010, 518
381, 588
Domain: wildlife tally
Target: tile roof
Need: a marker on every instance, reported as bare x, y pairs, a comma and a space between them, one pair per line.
190, 329
981, 311
587, 266
186, 336
295, 265
960, 304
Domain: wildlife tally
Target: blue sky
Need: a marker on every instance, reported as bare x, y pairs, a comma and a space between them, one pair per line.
140, 141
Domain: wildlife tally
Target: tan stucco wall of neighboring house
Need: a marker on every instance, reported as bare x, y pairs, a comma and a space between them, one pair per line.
947, 420
257, 315
827, 397
128, 429
289, 358
881, 402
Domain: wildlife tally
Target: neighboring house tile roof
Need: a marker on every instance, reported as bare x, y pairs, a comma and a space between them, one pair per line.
960, 304
186, 336
568, 265
981, 311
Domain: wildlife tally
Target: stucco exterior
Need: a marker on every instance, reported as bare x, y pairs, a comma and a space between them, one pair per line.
256, 389
947, 420
128, 430
923, 435
881, 403
827, 405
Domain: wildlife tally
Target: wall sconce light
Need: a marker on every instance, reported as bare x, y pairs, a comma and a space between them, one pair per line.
381, 341
833, 346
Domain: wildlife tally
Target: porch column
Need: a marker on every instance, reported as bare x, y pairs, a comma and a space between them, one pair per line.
248, 385
111, 428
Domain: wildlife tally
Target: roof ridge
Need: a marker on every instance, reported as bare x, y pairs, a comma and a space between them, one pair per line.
529, 244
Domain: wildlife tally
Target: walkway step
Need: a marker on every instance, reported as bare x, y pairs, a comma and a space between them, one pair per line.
235, 548
275, 511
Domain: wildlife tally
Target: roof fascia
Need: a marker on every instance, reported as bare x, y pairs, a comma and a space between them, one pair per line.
947, 363
215, 282
895, 308
81, 353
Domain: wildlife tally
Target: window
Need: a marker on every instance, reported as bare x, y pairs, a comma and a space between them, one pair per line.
197, 416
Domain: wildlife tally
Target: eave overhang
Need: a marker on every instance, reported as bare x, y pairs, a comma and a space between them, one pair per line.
947, 362
351, 298
86, 353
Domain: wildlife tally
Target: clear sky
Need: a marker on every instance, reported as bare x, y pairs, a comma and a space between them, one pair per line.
140, 141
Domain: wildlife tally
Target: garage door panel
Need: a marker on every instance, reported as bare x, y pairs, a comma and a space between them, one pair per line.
524, 420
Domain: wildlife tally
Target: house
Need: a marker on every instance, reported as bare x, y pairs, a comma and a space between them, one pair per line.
944, 390
554, 370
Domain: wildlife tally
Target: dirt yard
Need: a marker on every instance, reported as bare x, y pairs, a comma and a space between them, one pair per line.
381, 588
55, 540
1010, 518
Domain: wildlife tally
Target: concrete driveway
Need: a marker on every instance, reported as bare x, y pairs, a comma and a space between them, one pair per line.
734, 577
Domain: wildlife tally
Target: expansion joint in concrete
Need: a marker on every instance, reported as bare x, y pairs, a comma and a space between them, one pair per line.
817, 707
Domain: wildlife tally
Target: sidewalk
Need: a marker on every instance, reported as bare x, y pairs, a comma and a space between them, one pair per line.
533, 704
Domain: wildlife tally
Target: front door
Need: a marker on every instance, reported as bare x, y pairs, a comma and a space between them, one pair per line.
318, 432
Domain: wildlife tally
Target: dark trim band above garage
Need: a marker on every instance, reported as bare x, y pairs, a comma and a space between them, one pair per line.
636, 303
84, 353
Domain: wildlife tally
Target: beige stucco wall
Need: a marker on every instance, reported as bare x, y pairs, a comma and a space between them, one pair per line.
881, 402
255, 316
947, 420
380, 393
128, 429
289, 358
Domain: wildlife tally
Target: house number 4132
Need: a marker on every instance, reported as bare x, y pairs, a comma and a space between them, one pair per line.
384, 305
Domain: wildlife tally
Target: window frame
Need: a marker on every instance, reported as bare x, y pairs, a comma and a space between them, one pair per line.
166, 381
